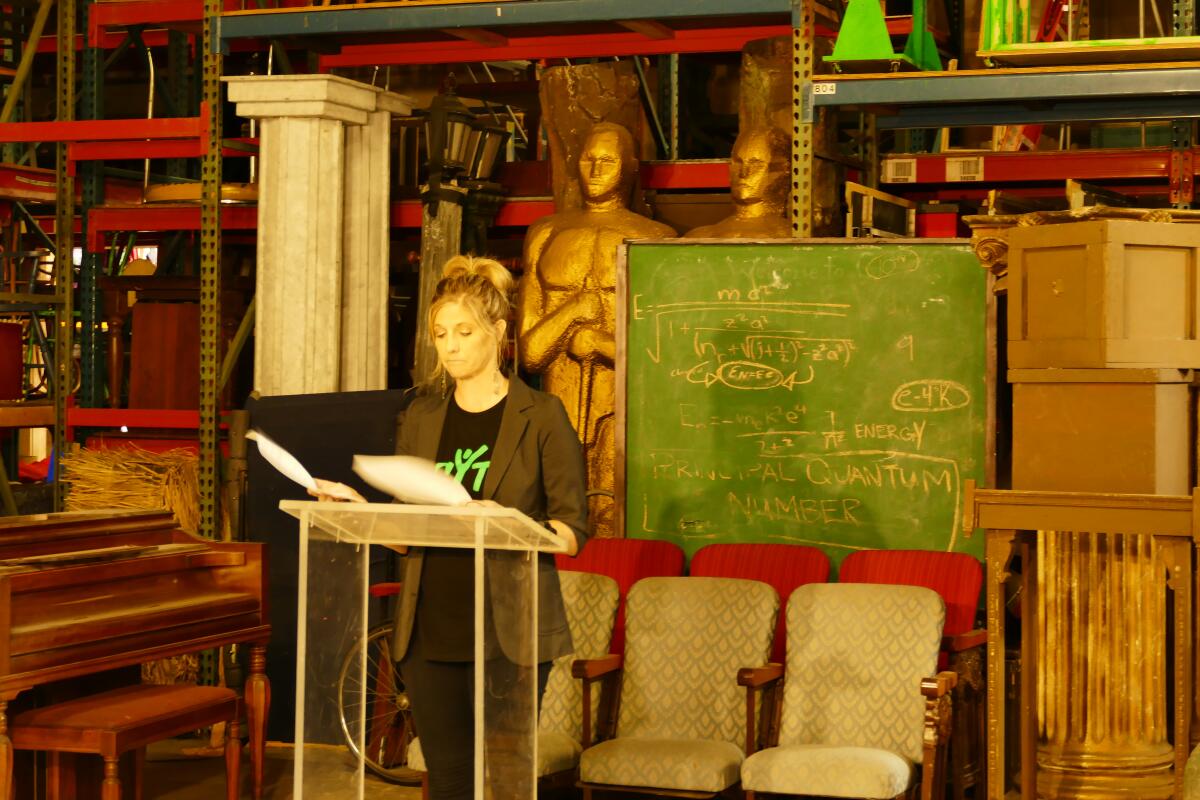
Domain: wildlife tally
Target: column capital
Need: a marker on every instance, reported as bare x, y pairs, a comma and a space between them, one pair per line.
313, 96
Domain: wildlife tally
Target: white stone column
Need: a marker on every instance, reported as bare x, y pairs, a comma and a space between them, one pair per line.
306, 292
365, 255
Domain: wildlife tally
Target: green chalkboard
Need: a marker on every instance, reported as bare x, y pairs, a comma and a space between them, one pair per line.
819, 392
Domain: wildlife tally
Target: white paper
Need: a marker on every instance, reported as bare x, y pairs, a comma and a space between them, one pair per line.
290, 467
411, 479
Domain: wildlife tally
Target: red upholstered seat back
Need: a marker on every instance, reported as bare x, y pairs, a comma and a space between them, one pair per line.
957, 577
784, 566
626, 561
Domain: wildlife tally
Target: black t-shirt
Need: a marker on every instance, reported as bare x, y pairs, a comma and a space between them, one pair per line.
446, 607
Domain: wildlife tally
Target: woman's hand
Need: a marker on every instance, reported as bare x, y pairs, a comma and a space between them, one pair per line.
567, 535
484, 503
332, 491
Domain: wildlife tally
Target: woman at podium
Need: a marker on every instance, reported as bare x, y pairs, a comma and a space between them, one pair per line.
508, 445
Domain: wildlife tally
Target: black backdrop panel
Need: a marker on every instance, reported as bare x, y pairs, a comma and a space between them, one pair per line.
323, 431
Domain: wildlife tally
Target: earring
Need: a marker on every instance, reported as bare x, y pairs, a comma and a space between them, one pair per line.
497, 382
443, 383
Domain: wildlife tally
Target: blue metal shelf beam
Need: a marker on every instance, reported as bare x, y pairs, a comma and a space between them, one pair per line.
1017, 96
349, 20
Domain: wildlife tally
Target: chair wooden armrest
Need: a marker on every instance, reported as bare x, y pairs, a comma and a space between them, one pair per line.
939, 685
936, 691
757, 677
764, 732
589, 669
964, 641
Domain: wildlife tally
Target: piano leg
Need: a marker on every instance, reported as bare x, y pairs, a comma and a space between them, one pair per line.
111, 788
258, 703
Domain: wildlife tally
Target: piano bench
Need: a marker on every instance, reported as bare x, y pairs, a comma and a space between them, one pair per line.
115, 722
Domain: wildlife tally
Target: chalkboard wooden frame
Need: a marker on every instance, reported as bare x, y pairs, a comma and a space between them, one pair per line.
623, 283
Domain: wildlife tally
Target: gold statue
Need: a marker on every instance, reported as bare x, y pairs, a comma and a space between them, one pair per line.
758, 183
566, 309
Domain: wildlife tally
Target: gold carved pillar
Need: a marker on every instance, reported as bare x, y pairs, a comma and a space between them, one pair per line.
1103, 722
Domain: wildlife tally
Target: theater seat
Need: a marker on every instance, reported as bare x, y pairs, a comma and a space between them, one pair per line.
626, 561
681, 724
958, 579
785, 566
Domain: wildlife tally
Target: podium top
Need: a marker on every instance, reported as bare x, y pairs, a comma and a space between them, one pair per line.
424, 526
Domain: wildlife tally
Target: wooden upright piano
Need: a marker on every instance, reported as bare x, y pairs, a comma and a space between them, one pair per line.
82, 593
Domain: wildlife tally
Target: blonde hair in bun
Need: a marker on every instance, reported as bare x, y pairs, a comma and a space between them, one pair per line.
484, 286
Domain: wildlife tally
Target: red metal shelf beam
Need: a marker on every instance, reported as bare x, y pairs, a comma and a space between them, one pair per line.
102, 139
722, 40
103, 220
182, 419
178, 14
108, 41
107, 219
516, 212
167, 13
97, 130
976, 194
708, 174
1025, 167
137, 149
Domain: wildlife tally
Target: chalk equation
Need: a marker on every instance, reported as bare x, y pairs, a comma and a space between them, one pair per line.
931, 396
744, 346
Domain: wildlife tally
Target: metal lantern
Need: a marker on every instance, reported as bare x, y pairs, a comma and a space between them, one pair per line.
448, 132
492, 140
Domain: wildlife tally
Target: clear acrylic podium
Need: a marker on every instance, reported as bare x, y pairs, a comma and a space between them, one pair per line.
334, 554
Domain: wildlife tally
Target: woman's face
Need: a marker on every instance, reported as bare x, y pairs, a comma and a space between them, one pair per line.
465, 348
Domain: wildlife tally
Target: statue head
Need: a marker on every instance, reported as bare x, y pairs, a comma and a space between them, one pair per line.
607, 164
758, 167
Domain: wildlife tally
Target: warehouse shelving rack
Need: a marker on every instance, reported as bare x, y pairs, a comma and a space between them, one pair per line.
408, 33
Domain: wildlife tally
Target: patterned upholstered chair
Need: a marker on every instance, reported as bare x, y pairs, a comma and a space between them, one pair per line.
591, 604
958, 578
1191, 777
853, 721
681, 725
784, 566
626, 561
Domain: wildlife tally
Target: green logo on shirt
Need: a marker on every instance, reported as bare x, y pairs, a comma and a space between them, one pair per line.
464, 460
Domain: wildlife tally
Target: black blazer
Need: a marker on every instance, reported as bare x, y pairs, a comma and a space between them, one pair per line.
537, 468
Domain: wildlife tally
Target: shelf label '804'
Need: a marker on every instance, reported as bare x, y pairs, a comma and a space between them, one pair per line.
827, 87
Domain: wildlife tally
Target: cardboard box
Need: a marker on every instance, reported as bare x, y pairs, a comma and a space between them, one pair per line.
1104, 293
1110, 430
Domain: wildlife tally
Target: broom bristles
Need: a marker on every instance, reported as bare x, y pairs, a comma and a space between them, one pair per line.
134, 479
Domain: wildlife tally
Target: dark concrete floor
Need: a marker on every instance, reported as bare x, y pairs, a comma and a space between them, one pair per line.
178, 770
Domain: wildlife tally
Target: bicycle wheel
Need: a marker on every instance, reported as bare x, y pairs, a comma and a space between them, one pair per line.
389, 725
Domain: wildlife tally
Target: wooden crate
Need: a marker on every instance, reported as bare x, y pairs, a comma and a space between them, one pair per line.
1104, 293
1103, 430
